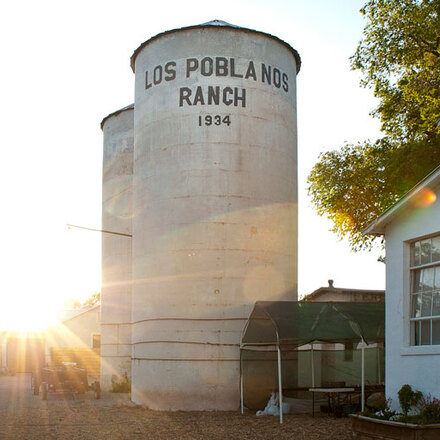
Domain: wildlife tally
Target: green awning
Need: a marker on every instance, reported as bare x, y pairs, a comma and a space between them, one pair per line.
292, 323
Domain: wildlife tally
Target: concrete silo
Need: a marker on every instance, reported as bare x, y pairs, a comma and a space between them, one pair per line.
215, 229
117, 213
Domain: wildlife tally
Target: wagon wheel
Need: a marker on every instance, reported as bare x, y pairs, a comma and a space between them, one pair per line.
96, 387
44, 388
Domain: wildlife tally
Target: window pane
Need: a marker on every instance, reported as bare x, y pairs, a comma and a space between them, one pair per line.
437, 278
426, 304
415, 333
436, 331
436, 304
428, 279
96, 341
416, 306
435, 248
415, 253
425, 332
417, 281
425, 247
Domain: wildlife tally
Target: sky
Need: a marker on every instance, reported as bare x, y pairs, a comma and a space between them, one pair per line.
66, 65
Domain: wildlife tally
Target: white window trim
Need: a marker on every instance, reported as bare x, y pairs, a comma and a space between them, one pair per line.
406, 303
420, 350
408, 349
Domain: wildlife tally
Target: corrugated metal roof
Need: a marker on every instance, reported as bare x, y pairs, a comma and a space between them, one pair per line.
217, 23
128, 107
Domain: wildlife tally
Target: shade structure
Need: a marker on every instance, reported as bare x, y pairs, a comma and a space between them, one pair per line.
292, 324
281, 327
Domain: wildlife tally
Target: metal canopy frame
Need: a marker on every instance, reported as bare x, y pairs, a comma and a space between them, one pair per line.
367, 327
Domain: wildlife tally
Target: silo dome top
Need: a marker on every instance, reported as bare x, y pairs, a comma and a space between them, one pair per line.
128, 107
216, 23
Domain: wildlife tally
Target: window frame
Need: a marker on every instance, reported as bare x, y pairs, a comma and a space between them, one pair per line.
92, 338
416, 336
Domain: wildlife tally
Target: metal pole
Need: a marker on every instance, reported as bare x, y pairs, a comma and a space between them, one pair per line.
378, 365
363, 377
241, 385
280, 386
313, 367
99, 230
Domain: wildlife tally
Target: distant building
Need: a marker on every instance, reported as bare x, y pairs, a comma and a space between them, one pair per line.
21, 352
77, 339
412, 234
331, 293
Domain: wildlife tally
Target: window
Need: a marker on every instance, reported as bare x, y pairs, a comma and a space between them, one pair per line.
96, 340
425, 291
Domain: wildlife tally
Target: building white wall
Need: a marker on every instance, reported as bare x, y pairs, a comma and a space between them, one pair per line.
75, 332
418, 366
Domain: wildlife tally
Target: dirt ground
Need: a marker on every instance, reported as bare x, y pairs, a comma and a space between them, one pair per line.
25, 416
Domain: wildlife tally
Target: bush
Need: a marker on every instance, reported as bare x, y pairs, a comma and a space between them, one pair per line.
120, 384
408, 398
430, 410
427, 408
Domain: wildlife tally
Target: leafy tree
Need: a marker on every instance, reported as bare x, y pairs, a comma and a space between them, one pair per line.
92, 300
400, 59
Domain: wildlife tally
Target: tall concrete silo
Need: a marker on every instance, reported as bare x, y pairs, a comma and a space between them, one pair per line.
117, 214
215, 166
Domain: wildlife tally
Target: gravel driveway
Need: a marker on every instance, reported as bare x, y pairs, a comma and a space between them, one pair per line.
25, 416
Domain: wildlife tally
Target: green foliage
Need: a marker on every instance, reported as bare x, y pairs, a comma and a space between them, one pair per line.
92, 300
381, 404
408, 398
427, 409
400, 59
120, 384
430, 410
354, 185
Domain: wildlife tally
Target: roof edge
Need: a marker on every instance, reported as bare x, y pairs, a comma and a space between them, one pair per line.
123, 109
217, 24
342, 290
82, 312
377, 227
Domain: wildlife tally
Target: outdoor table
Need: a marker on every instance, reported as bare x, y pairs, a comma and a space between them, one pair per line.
331, 392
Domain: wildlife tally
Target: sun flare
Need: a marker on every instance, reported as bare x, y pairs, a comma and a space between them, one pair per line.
26, 316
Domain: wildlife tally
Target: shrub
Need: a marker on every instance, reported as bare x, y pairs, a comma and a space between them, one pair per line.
427, 408
120, 384
430, 410
408, 398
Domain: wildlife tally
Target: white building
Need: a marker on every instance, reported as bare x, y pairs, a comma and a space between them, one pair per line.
77, 339
412, 232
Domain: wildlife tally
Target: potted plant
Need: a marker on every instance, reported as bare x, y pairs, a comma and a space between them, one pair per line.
419, 419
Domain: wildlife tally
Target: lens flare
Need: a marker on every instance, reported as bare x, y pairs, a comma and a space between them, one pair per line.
424, 198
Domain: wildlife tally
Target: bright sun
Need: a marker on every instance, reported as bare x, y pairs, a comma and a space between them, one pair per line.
27, 314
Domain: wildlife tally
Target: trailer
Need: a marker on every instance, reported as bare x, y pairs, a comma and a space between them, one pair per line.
67, 378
